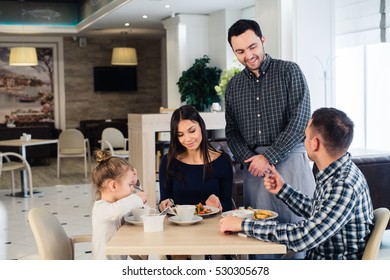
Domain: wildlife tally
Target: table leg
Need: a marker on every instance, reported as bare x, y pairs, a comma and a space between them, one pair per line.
23, 175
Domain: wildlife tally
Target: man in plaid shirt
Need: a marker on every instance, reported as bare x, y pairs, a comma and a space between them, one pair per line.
336, 222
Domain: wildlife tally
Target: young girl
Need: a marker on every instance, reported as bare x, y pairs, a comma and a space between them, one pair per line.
114, 180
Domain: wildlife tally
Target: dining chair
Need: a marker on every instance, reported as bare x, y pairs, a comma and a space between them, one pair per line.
52, 241
163, 139
71, 143
12, 162
113, 140
381, 218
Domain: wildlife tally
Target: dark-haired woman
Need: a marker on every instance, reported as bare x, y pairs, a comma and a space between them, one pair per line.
193, 171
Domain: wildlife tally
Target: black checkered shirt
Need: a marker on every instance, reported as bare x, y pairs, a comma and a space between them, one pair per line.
271, 110
335, 222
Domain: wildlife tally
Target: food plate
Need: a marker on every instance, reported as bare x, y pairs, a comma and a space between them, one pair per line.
213, 210
131, 220
175, 219
229, 213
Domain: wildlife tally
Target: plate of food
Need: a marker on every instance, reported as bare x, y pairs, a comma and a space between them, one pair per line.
257, 214
204, 210
200, 210
262, 214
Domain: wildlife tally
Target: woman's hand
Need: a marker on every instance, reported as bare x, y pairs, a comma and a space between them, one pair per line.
214, 201
164, 204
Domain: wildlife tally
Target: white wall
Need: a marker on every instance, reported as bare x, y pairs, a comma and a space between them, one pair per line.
314, 48
301, 31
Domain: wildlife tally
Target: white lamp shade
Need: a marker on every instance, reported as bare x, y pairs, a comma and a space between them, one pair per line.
23, 56
124, 56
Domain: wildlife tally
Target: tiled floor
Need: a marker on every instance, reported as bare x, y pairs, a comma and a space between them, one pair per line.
71, 204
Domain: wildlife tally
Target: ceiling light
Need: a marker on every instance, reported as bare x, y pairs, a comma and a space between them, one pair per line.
127, 24
167, 6
144, 16
23, 56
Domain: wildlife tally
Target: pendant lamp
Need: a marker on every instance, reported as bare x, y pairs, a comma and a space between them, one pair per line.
124, 56
23, 56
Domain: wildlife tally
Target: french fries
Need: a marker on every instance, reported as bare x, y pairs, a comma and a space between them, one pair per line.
261, 214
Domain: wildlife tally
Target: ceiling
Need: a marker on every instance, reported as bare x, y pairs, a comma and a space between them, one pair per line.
110, 19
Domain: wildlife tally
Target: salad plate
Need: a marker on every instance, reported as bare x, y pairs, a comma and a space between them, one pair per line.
210, 210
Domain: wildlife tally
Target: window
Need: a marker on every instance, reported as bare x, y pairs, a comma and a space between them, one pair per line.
363, 91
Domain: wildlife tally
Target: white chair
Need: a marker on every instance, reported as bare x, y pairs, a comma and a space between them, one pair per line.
52, 241
8, 163
114, 141
381, 218
71, 143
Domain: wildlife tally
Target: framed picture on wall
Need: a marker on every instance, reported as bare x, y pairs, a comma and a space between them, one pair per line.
30, 94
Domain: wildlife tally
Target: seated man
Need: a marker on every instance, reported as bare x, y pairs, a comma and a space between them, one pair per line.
337, 220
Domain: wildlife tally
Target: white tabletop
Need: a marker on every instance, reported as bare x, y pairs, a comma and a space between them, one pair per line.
202, 238
22, 145
32, 142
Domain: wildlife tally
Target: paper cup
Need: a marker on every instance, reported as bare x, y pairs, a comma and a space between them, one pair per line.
153, 222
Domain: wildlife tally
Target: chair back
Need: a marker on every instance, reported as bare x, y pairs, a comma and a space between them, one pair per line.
114, 137
10, 161
71, 141
381, 218
52, 241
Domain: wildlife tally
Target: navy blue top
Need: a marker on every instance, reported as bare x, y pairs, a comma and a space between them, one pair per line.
193, 189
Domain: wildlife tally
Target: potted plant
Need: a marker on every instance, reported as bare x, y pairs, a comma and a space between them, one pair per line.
226, 75
196, 85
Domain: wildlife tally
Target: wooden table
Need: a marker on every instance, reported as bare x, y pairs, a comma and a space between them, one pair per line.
202, 238
22, 145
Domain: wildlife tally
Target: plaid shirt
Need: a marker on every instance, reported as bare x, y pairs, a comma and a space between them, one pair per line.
337, 220
271, 110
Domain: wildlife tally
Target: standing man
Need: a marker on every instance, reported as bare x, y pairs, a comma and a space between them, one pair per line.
267, 109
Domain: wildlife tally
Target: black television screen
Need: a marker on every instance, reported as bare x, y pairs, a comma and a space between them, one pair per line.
115, 78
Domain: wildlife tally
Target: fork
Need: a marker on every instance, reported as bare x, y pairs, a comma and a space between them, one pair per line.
165, 211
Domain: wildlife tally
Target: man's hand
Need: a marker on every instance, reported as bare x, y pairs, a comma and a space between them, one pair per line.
259, 165
273, 181
230, 224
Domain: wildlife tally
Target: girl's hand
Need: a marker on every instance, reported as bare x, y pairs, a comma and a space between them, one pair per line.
214, 201
143, 196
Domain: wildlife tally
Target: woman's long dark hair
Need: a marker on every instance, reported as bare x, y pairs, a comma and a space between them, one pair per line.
187, 112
